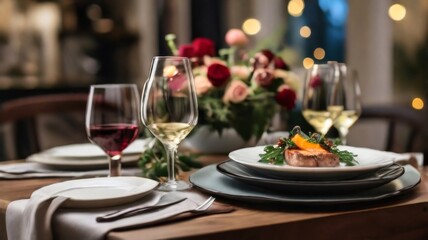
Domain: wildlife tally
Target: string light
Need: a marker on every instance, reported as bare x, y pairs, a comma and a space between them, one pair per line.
305, 32
418, 103
319, 53
295, 7
251, 26
397, 12
308, 62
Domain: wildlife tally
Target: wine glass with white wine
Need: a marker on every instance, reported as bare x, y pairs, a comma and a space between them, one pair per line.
169, 109
322, 103
352, 101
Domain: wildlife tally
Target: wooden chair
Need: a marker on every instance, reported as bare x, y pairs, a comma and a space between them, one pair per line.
24, 114
406, 131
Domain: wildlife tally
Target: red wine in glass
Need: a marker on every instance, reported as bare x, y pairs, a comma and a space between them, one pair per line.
112, 120
113, 138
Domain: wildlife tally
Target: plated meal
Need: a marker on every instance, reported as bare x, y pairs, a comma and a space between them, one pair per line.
301, 150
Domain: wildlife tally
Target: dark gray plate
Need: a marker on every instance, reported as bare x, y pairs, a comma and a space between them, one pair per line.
367, 181
212, 181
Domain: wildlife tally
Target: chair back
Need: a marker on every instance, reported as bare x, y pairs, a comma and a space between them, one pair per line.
405, 127
23, 115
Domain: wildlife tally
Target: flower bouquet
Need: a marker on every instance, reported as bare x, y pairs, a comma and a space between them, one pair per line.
236, 90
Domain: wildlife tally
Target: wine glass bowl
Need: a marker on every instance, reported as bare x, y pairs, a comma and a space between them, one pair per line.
322, 103
112, 120
169, 109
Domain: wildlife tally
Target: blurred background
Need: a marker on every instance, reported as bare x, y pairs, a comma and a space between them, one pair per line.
66, 45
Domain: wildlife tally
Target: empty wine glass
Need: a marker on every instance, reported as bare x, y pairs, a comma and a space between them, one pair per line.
112, 120
352, 103
169, 109
322, 103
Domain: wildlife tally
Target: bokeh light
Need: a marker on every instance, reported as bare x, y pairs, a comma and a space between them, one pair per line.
319, 53
397, 12
308, 62
251, 26
305, 32
418, 103
295, 7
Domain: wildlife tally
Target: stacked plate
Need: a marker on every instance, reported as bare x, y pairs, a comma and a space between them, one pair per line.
86, 156
376, 176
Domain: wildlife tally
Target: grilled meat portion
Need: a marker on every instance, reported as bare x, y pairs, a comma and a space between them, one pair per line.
310, 158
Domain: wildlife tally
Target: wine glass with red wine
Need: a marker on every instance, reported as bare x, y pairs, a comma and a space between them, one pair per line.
112, 120
169, 109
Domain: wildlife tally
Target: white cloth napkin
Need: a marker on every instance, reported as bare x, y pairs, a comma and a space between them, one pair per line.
35, 170
41, 218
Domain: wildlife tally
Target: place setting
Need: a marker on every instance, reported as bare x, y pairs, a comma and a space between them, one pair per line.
113, 201
300, 168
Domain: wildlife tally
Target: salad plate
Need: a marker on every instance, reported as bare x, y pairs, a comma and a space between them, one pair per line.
210, 180
99, 192
244, 174
369, 160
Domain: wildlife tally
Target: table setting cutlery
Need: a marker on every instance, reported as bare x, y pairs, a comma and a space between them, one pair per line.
90, 208
166, 200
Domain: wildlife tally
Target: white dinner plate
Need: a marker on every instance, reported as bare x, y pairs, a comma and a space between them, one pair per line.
89, 150
99, 192
369, 160
83, 164
87, 156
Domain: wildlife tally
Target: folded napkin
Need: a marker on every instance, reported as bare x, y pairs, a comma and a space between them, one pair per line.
42, 218
35, 170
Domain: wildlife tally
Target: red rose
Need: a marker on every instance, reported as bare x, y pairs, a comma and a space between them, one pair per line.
286, 97
186, 50
280, 64
218, 74
203, 46
268, 54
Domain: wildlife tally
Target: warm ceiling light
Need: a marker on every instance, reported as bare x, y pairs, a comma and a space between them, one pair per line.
397, 12
305, 32
251, 26
308, 62
418, 103
319, 53
295, 7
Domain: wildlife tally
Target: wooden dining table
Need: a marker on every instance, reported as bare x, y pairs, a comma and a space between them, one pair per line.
400, 217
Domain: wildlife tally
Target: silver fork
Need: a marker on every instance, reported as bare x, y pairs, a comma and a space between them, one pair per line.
199, 209
204, 206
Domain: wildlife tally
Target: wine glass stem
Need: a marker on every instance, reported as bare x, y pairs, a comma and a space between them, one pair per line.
170, 156
343, 133
115, 165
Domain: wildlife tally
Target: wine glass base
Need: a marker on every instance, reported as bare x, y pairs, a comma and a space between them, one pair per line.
177, 185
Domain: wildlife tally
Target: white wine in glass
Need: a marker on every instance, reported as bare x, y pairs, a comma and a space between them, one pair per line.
169, 109
352, 102
321, 103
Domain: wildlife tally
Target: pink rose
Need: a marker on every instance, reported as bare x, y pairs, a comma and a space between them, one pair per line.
177, 82
202, 85
218, 74
211, 60
236, 92
236, 37
263, 77
241, 72
286, 97
203, 46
